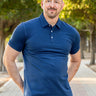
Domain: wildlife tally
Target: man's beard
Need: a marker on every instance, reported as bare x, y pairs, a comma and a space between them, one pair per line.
54, 14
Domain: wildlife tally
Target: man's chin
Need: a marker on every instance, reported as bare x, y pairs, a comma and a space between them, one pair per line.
51, 16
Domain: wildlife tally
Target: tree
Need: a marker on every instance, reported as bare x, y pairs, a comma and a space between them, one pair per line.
11, 14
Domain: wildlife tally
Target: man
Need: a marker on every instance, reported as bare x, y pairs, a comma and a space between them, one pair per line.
45, 42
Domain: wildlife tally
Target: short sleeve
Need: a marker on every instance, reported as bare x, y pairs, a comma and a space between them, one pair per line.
76, 43
17, 39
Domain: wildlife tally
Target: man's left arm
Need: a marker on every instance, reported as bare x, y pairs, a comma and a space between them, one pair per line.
75, 60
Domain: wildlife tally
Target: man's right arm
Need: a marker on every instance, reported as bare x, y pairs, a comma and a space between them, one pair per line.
9, 61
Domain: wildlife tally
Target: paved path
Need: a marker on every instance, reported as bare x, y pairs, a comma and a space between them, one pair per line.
10, 88
83, 84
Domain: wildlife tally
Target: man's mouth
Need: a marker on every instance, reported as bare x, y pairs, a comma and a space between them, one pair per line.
52, 9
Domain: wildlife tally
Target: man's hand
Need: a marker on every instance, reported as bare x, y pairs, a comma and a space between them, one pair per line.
22, 89
75, 61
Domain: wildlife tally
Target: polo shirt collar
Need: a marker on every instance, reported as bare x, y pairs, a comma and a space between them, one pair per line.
44, 23
58, 24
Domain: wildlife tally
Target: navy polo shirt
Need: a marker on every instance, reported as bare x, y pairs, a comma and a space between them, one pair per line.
45, 52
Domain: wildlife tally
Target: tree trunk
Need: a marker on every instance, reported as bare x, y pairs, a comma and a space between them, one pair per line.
2, 47
81, 45
88, 45
92, 48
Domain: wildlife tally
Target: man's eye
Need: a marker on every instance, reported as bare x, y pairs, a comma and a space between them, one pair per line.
56, 2
48, 0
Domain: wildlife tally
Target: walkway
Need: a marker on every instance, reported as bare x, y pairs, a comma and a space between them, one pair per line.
83, 84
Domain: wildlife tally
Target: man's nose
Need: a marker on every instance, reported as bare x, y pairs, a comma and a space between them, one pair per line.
52, 4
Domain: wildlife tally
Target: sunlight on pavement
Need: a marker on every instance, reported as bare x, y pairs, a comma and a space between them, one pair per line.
84, 80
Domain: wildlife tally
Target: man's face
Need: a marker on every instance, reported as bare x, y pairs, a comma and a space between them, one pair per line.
52, 8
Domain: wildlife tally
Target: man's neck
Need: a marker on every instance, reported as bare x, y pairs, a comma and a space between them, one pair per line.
52, 21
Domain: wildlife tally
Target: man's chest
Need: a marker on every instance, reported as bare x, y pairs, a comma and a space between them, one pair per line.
48, 41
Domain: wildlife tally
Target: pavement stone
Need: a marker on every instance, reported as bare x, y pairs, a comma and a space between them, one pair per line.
84, 82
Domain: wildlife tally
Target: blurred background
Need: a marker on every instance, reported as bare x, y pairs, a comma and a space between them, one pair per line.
81, 14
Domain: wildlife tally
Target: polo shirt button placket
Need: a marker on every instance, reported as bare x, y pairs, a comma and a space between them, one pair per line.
51, 35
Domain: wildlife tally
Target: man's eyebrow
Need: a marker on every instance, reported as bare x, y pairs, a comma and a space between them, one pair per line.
59, 0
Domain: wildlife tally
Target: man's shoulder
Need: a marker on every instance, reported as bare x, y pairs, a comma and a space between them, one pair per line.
69, 27
32, 21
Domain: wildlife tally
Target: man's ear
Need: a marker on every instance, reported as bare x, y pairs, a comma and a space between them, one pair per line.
62, 5
42, 4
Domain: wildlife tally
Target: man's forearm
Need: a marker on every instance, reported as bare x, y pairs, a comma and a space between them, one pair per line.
72, 69
14, 73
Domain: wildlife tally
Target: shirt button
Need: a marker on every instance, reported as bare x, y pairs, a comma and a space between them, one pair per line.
51, 31
51, 37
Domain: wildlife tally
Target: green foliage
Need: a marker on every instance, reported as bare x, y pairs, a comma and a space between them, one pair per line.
20, 9
6, 29
79, 13
12, 12
81, 9
75, 1
7, 39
